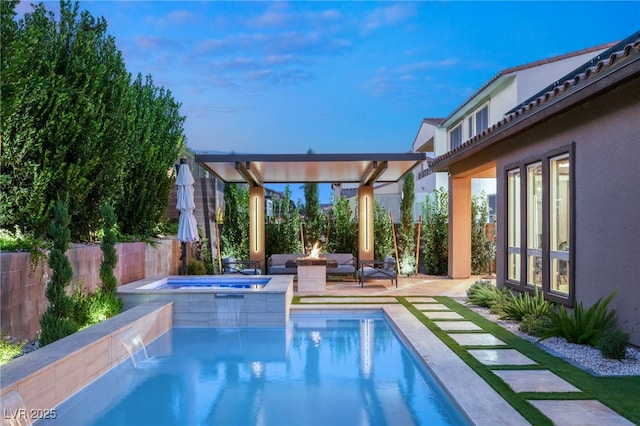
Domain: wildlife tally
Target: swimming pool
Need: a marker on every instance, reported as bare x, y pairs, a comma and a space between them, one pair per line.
318, 370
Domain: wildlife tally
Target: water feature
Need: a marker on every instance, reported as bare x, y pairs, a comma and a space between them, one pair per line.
134, 345
14, 412
318, 369
228, 308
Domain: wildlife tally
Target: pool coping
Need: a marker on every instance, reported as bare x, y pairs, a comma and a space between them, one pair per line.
478, 402
45, 378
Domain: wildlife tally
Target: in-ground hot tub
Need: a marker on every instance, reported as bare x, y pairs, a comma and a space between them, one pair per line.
216, 300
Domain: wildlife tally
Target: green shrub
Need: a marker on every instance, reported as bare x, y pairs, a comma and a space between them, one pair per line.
535, 325
498, 307
582, 326
196, 267
9, 350
102, 305
524, 304
80, 306
483, 293
54, 328
613, 344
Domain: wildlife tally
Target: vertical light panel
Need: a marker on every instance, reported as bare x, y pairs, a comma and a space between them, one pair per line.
366, 222
255, 225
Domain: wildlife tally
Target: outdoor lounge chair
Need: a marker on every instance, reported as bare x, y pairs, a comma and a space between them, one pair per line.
231, 265
378, 270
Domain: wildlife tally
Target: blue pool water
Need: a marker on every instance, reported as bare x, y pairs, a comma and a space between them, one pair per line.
317, 371
213, 282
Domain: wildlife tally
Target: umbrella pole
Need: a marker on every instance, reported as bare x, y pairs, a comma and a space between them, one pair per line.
184, 258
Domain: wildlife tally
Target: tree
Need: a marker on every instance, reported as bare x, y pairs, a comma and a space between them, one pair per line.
406, 234
64, 121
483, 248
283, 234
314, 220
108, 246
234, 235
343, 232
435, 232
382, 232
57, 321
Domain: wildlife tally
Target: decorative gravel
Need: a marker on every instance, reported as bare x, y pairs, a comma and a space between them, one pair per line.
585, 357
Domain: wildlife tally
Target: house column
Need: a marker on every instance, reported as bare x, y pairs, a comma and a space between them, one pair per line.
256, 225
365, 222
459, 227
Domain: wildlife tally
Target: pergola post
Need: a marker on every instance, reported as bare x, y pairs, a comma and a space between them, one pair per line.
365, 222
256, 225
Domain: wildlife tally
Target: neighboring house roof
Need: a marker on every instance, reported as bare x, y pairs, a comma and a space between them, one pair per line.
529, 65
621, 55
434, 121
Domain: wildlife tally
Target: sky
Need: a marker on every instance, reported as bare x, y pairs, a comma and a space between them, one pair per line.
339, 77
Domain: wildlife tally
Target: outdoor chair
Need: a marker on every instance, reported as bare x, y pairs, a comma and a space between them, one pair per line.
231, 265
378, 270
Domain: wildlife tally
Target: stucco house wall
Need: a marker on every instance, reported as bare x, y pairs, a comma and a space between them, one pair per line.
607, 198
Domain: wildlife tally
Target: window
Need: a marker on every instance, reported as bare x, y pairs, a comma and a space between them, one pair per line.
513, 225
534, 224
559, 221
455, 137
482, 120
541, 221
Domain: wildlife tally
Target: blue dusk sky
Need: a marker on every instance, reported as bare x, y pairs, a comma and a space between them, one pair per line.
338, 77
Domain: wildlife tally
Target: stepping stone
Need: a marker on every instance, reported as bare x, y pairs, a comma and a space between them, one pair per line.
457, 325
421, 300
477, 339
500, 357
535, 381
431, 307
442, 315
586, 412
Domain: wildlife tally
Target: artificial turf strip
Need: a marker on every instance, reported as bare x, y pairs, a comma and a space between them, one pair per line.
528, 411
620, 393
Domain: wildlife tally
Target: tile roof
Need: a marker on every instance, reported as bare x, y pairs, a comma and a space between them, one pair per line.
612, 59
534, 64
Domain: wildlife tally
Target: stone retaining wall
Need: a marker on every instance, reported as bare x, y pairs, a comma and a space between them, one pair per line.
22, 299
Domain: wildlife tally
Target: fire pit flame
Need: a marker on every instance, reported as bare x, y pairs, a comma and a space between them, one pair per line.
315, 251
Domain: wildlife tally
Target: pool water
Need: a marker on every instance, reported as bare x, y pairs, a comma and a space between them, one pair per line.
318, 370
212, 282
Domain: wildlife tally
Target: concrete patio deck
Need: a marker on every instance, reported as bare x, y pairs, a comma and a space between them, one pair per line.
462, 383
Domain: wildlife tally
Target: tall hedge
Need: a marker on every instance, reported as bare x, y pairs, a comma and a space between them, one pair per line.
156, 138
73, 123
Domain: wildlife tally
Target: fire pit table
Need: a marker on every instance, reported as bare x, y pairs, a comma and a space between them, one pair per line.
312, 273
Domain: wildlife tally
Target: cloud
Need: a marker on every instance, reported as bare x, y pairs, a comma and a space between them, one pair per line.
399, 81
388, 16
279, 15
176, 17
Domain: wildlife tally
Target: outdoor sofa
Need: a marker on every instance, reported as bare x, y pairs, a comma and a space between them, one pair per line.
285, 264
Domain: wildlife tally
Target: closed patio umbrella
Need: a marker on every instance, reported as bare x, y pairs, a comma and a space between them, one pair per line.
187, 224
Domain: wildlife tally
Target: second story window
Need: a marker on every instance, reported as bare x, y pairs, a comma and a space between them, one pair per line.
482, 119
455, 137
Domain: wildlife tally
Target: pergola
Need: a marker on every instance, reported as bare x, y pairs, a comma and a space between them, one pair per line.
260, 169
